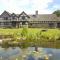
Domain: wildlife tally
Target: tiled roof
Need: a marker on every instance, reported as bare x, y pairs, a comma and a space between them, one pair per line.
5, 13
24, 14
45, 17
39, 17
13, 15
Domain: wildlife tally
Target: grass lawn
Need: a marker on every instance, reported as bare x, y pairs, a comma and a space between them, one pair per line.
30, 30
12, 31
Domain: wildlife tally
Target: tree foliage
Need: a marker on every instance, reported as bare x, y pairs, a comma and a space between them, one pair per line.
57, 12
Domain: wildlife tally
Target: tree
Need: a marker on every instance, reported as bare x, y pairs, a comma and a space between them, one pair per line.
57, 12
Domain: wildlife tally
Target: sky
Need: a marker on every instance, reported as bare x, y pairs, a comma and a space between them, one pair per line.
29, 6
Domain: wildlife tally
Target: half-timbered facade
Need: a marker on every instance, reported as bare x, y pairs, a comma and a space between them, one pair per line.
13, 20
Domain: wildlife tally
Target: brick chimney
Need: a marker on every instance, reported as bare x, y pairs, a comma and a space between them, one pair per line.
36, 12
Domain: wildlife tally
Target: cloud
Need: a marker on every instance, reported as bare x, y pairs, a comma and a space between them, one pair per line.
41, 5
30, 6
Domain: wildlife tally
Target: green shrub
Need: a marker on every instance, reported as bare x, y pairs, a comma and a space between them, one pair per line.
5, 44
24, 31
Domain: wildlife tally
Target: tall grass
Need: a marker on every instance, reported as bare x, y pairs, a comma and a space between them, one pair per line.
25, 37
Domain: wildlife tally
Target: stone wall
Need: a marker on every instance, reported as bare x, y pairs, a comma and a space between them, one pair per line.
40, 25
30, 25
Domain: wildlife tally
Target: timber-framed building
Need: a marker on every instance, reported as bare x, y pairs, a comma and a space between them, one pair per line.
8, 20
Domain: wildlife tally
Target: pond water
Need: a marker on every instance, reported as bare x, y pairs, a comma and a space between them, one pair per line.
13, 53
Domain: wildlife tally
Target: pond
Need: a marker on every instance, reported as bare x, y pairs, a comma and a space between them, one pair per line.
13, 53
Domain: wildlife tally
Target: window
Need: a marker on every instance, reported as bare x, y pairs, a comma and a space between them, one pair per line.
13, 17
5, 18
23, 17
0, 23
6, 23
23, 23
58, 25
51, 24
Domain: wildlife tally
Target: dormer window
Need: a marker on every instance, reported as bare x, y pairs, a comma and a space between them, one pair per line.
34, 15
14, 16
5, 18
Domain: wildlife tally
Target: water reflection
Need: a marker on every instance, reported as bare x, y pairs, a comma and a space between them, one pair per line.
6, 54
12, 54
